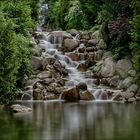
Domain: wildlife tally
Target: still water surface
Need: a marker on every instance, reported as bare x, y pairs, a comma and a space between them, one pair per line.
72, 121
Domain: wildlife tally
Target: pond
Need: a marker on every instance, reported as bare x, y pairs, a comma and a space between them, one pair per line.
92, 120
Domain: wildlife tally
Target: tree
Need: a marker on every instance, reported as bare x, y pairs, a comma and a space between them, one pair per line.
9, 63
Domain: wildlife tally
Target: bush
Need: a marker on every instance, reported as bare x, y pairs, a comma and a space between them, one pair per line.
135, 34
16, 17
9, 63
75, 17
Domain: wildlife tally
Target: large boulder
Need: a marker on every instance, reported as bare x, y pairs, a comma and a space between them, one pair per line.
82, 67
73, 32
70, 94
123, 66
20, 108
44, 75
114, 81
97, 36
133, 88
74, 56
92, 42
36, 62
63, 34
81, 86
54, 88
86, 95
70, 45
126, 83
57, 37
108, 68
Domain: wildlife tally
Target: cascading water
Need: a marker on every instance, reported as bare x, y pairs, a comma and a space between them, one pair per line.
52, 43
43, 16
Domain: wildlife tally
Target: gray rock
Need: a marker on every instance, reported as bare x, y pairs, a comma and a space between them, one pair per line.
70, 94
127, 95
44, 75
97, 35
39, 85
63, 34
38, 94
124, 84
92, 42
123, 66
117, 97
133, 88
132, 73
73, 32
20, 108
114, 81
86, 95
90, 49
82, 67
85, 36
36, 62
81, 86
70, 45
51, 96
108, 68
101, 44
74, 56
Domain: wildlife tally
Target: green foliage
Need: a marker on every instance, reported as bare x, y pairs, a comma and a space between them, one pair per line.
8, 64
135, 34
16, 17
107, 12
58, 14
75, 17
91, 8
20, 13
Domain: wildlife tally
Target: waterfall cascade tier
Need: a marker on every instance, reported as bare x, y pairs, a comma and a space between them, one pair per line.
66, 62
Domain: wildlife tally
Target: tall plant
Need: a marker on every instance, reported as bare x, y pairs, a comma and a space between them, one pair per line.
75, 17
135, 34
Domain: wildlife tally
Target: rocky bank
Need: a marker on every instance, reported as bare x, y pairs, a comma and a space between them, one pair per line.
115, 80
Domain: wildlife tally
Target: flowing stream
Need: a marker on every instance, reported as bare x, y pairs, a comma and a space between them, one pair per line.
51, 44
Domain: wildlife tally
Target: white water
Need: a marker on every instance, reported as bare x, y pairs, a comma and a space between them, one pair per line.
51, 50
51, 43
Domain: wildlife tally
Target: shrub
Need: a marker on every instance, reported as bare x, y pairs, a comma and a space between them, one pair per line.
75, 17
9, 63
135, 34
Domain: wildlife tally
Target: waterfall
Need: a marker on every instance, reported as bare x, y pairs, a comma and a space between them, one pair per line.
50, 43
43, 17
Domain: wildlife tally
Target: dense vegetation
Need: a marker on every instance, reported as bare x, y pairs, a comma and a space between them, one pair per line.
118, 20
16, 18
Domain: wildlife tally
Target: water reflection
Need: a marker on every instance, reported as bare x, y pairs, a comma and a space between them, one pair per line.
75, 121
